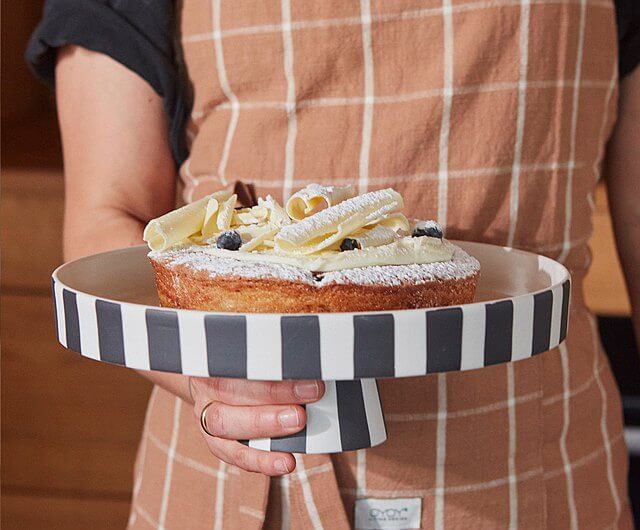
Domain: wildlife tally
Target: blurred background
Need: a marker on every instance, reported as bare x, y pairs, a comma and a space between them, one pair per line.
70, 426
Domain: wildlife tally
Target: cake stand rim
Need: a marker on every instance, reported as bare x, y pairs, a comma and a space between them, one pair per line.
562, 271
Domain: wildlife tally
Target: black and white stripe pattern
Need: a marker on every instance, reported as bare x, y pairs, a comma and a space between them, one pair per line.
332, 346
348, 417
347, 350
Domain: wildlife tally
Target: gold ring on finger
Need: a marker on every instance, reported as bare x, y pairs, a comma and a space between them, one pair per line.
203, 419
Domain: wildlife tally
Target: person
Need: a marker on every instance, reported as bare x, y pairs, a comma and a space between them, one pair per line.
491, 117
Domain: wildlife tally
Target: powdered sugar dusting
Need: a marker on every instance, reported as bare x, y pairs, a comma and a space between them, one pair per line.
461, 266
218, 266
375, 204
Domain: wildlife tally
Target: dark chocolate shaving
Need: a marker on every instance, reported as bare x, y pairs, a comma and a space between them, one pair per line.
246, 194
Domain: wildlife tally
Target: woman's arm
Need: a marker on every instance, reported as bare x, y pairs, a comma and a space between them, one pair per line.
622, 173
117, 165
119, 174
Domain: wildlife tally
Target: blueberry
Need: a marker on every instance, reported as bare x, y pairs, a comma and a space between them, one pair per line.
229, 240
348, 243
429, 229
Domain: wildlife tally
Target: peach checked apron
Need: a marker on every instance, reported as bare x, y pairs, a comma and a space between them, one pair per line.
488, 115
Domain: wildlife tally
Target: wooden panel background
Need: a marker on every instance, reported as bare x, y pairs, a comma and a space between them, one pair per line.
70, 426
21, 96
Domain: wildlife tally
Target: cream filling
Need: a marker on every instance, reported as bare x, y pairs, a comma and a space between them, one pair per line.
404, 251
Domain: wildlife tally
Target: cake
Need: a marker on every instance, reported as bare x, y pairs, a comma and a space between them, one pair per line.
325, 250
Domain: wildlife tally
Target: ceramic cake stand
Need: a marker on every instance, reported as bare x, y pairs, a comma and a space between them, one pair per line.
106, 309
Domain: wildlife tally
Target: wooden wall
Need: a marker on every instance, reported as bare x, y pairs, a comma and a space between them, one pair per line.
70, 426
20, 95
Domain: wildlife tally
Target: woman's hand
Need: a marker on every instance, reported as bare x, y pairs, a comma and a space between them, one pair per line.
240, 410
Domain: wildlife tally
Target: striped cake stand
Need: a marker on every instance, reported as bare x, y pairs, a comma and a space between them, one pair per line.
106, 309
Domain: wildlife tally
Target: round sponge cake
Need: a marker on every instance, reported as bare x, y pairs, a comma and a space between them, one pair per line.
189, 277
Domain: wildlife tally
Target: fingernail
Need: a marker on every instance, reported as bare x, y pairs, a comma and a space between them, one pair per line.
281, 466
306, 391
289, 418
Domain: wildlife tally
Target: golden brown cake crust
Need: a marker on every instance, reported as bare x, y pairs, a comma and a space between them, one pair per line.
180, 286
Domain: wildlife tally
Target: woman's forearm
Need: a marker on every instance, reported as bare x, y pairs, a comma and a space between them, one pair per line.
118, 169
117, 164
118, 175
108, 229
622, 173
115, 230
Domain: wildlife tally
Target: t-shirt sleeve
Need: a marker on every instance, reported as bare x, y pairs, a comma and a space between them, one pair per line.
138, 34
628, 19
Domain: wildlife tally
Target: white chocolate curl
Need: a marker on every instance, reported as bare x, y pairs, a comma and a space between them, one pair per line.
314, 198
180, 224
254, 236
277, 214
375, 237
328, 227
225, 213
395, 221
209, 226
250, 216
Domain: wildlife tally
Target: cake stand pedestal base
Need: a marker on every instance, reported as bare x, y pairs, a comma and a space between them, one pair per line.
348, 417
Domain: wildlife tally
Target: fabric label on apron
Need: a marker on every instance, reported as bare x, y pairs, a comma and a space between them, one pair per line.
388, 514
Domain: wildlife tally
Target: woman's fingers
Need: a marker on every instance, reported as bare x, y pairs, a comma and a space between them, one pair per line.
249, 459
236, 409
243, 423
243, 392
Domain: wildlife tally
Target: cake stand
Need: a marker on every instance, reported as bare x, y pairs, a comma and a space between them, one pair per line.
107, 309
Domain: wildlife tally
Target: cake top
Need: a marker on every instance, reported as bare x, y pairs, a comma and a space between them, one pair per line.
320, 229
196, 259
